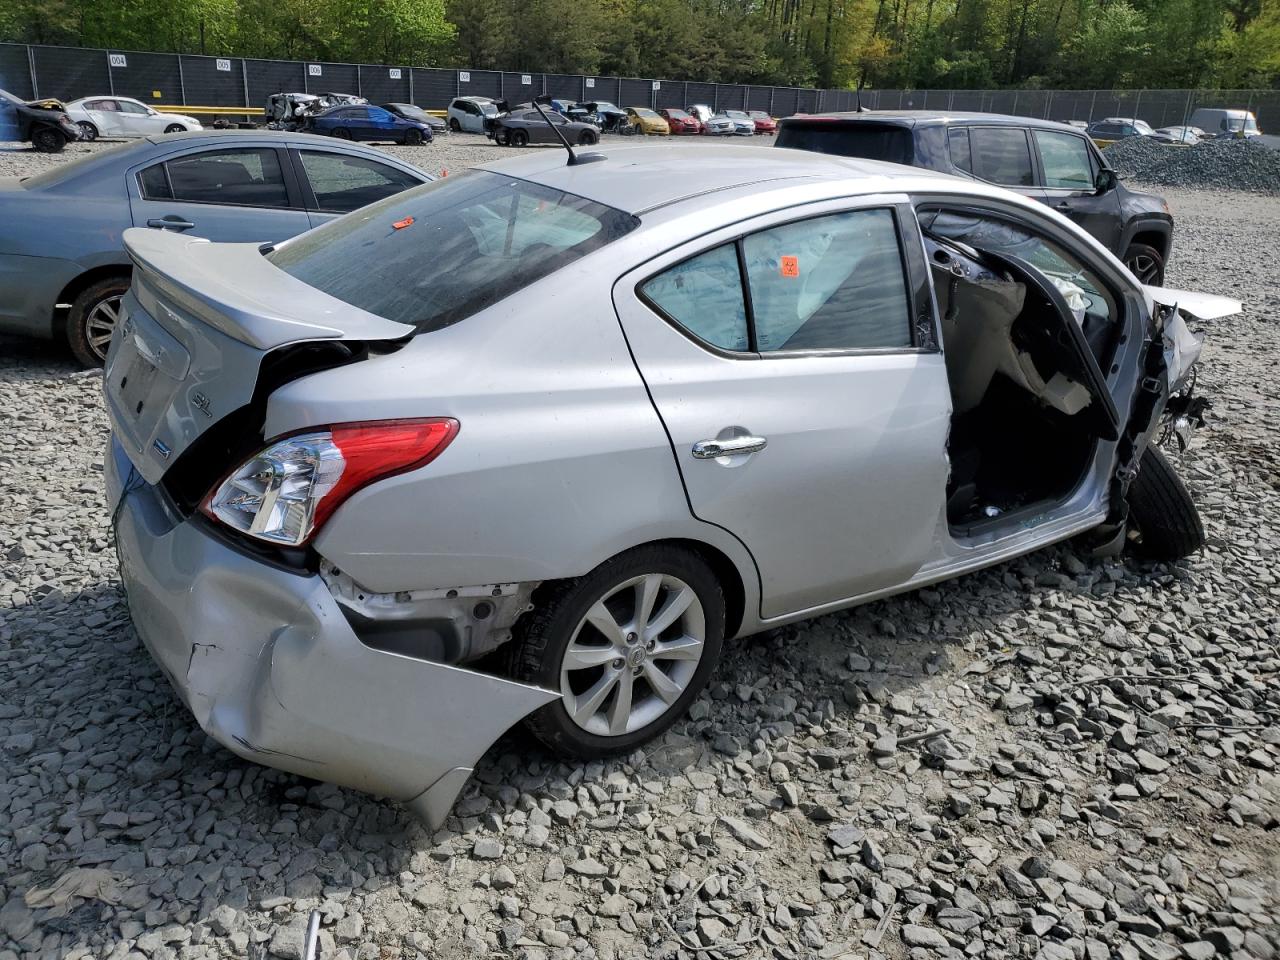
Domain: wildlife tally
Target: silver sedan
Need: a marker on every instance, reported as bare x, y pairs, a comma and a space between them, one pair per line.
533, 442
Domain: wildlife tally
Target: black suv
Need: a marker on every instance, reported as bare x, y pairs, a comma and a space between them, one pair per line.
1054, 163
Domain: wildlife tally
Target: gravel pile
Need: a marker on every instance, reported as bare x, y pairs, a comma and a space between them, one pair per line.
1056, 758
1225, 164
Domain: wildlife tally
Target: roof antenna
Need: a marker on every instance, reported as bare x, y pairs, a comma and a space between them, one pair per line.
574, 158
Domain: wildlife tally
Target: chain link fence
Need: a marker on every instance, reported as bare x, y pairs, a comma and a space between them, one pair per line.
237, 88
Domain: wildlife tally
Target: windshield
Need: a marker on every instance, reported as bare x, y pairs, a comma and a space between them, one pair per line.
677, 115
438, 253
641, 111
605, 107
736, 115
1249, 125
488, 109
1142, 127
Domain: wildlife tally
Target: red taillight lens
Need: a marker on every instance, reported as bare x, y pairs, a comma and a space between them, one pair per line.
285, 493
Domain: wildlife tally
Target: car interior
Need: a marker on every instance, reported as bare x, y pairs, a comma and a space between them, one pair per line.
1027, 330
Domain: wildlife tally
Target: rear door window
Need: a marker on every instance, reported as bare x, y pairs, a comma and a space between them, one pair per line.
344, 183
1002, 155
1066, 160
249, 177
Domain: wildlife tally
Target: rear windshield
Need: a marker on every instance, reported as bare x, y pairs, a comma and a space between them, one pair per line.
871, 141
438, 253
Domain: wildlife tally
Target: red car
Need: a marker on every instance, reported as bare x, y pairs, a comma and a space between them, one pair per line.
764, 122
679, 121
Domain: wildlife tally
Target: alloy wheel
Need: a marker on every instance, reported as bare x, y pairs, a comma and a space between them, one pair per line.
100, 324
633, 655
1145, 267
88, 132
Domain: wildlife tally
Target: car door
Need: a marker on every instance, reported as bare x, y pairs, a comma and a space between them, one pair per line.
337, 183
1069, 170
224, 194
382, 124
807, 404
106, 116
138, 121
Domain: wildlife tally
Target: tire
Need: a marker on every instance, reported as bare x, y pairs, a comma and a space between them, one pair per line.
413, 138
559, 621
1164, 523
1146, 263
88, 132
48, 140
454, 125
175, 128
92, 319
588, 139
518, 138
342, 133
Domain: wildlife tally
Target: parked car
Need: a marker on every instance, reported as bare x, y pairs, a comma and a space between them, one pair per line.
292, 111
644, 120
471, 113
679, 121
60, 230
1054, 163
409, 111
607, 116
124, 117
743, 125
764, 122
1184, 135
494, 449
42, 123
369, 123
1118, 128
522, 127
713, 124
1224, 122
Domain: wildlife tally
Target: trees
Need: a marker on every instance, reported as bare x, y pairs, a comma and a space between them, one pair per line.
828, 43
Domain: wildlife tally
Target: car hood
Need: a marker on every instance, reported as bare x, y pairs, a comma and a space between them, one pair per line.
48, 103
1198, 306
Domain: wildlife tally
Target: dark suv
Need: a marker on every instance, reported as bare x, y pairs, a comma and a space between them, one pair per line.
1054, 163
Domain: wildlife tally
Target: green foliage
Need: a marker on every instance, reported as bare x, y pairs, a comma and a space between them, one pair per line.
828, 43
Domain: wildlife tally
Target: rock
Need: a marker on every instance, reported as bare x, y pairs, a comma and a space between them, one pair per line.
486, 848
744, 834
914, 935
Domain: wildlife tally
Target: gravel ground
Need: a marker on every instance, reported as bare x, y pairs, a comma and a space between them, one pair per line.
1226, 164
1058, 758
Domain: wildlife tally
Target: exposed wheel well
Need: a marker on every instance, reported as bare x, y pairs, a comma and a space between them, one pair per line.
58, 322
1153, 238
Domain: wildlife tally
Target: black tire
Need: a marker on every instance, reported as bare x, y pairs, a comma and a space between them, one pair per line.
48, 140
87, 323
454, 125
175, 128
1146, 263
88, 132
1164, 523
588, 139
542, 637
518, 138
413, 138
342, 133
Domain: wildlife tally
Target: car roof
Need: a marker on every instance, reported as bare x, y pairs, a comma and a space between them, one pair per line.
924, 118
637, 179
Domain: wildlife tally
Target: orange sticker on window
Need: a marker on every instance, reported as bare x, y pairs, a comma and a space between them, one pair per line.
791, 266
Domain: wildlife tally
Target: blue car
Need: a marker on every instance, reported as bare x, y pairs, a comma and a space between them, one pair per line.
367, 122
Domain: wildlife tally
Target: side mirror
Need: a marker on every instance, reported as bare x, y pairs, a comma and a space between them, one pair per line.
1106, 181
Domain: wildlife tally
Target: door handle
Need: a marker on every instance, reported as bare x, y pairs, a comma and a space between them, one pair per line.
711, 449
1062, 206
171, 222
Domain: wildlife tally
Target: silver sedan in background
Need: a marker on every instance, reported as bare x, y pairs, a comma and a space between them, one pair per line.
536, 440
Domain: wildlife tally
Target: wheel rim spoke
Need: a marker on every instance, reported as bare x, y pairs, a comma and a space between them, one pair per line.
600, 618
661, 684
585, 706
620, 709
682, 648
672, 610
646, 596
581, 657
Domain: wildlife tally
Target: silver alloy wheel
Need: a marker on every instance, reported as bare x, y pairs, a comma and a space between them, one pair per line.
100, 324
1144, 267
633, 655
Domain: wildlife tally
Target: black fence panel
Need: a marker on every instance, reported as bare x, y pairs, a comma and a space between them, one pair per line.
759, 98
699, 93
433, 89
635, 93
208, 84
69, 73
784, 101
480, 83
669, 94
15, 71
384, 84
806, 101
150, 77
600, 88
521, 87
564, 87
332, 78
266, 77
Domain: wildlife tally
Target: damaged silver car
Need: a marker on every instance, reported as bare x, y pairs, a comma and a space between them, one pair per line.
534, 441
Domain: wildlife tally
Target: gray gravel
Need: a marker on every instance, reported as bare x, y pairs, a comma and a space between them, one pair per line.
1057, 758
1245, 165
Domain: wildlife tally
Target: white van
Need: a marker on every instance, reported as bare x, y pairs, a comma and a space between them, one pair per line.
1223, 122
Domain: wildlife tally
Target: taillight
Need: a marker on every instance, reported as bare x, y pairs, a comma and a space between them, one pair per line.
285, 493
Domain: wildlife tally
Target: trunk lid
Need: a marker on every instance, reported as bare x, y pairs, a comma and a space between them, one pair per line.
194, 330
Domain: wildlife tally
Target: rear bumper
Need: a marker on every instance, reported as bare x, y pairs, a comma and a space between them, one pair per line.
269, 667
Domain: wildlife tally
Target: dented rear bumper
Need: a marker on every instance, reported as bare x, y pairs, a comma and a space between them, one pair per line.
270, 668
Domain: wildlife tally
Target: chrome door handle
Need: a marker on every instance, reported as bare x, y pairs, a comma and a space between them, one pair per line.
710, 449
170, 222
